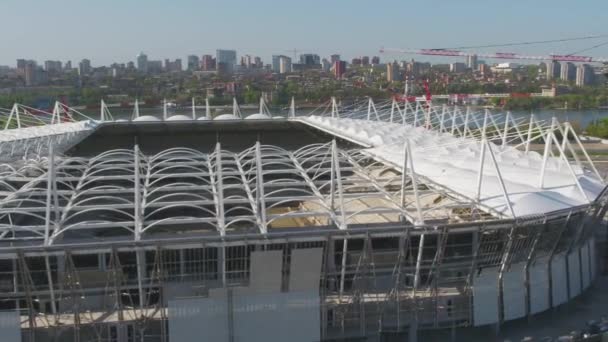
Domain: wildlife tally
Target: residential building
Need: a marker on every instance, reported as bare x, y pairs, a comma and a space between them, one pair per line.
339, 69
326, 64
284, 64
310, 59
568, 71
193, 63
553, 70
52, 67
228, 60
458, 67
173, 66
276, 63
393, 72
142, 63
154, 67
584, 75
375, 60
472, 62
84, 67
207, 63
29, 72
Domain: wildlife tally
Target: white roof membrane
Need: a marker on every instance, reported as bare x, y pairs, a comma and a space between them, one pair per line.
453, 163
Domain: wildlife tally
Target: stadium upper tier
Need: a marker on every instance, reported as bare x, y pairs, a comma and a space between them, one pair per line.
365, 166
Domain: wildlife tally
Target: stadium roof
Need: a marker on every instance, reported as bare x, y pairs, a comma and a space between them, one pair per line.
365, 165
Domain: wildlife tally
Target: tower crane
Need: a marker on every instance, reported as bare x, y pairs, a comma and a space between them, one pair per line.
496, 55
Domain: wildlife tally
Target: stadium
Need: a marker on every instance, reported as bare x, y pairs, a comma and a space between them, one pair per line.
368, 221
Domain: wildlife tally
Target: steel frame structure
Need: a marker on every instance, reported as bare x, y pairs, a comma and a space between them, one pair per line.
90, 245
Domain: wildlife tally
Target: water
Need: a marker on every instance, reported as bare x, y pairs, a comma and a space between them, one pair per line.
582, 118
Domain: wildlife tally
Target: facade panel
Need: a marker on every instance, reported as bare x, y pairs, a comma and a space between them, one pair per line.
485, 297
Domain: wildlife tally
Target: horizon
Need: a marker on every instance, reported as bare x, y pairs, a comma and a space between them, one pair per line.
115, 32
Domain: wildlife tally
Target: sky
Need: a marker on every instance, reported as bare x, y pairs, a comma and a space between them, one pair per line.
107, 31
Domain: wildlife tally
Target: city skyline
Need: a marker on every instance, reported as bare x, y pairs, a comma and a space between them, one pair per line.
114, 31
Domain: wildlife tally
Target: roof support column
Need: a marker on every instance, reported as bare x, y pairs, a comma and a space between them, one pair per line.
137, 198
207, 109
543, 168
482, 160
500, 179
338, 180
408, 161
136, 109
334, 108
466, 123
217, 182
260, 187
572, 173
193, 109
505, 132
442, 123
529, 138
49, 189
292, 108
580, 145
453, 114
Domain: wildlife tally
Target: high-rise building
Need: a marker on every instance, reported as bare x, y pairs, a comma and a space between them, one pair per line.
484, 69
52, 67
154, 67
284, 64
173, 66
68, 66
257, 61
228, 60
458, 67
553, 70
247, 61
84, 67
375, 60
142, 63
310, 59
365, 60
356, 61
339, 69
472, 62
21, 64
584, 75
568, 72
334, 58
193, 62
326, 64
207, 63
393, 72
29, 72
276, 63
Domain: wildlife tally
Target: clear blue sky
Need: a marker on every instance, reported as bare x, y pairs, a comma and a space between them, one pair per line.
116, 30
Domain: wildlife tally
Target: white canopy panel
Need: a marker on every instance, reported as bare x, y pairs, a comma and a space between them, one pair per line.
454, 162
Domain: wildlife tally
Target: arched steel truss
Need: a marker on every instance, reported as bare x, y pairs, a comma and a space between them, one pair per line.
123, 193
